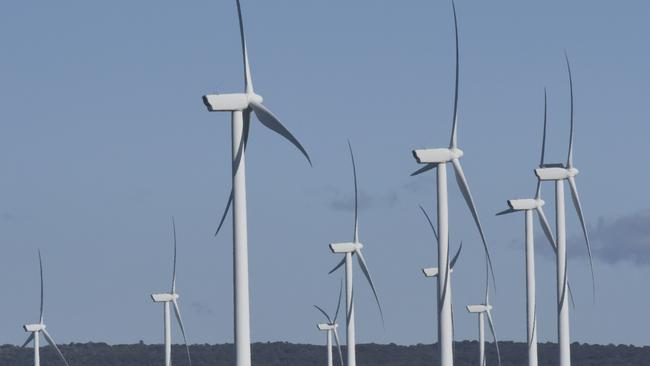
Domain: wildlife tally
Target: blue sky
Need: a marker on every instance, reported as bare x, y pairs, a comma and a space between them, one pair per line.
104, 137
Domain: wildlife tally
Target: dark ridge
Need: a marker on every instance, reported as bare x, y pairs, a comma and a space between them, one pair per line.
288, 354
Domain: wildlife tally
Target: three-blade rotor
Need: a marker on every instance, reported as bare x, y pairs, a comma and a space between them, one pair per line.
453, 154
252, 104
357, 245
36, 329
332, 322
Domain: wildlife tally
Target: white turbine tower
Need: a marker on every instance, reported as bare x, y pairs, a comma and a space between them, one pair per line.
171, 299
529, 207
558, 173
331, 328
241, 105
439, 158
35, 330
351, 249
482, 310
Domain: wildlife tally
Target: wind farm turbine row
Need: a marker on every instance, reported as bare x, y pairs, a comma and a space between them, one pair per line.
242, 106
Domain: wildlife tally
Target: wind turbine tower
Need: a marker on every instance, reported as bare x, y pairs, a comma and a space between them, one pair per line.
439, 158
241, 105
35, 330
349, 250
529, 207
559, 173
168, 300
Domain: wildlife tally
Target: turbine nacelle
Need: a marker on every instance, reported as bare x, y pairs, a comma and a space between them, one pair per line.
556, 173
327, 327
525, 204
230, 102
477, 309
33, 328
164, 297
345, 247
436, 156
433, 271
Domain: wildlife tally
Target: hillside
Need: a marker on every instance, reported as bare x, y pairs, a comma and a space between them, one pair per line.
287, 354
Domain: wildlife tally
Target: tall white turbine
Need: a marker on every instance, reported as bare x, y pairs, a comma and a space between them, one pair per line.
351, 249
558, 173
439, 158
241, 105
331, 329
529, 207
168, 300
35, 330
482, 310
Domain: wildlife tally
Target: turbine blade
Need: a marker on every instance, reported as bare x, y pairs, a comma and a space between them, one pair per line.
342, 262
424, 169
494, 335
541, 161
338, 346
329, 320
573, 303
273, 123
435, 233
348, 312
51, 342
247, 71
243, 143
570, 157
338, 304
356, 195
29, 339
366, 272
453, 261
546, 228
174, 271
464, 188
506, 212
177, 311
578, 206
454, 132
534, 331
453, 334
40, 263
225, 212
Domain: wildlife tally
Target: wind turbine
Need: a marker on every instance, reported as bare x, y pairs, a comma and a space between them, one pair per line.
351, 249
331, 328
529, 207
482, 310
35, 330
432, 272
241, 105
171, 299
558, 173
439, 158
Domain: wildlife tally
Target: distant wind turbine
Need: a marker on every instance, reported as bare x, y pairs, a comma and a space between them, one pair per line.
351, 249
36, 329
529, 207
439, 158
331, 328
558, 173
432, 272
168, 300
483, 310
241, 105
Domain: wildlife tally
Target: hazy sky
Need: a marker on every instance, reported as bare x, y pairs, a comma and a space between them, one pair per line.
104, 137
